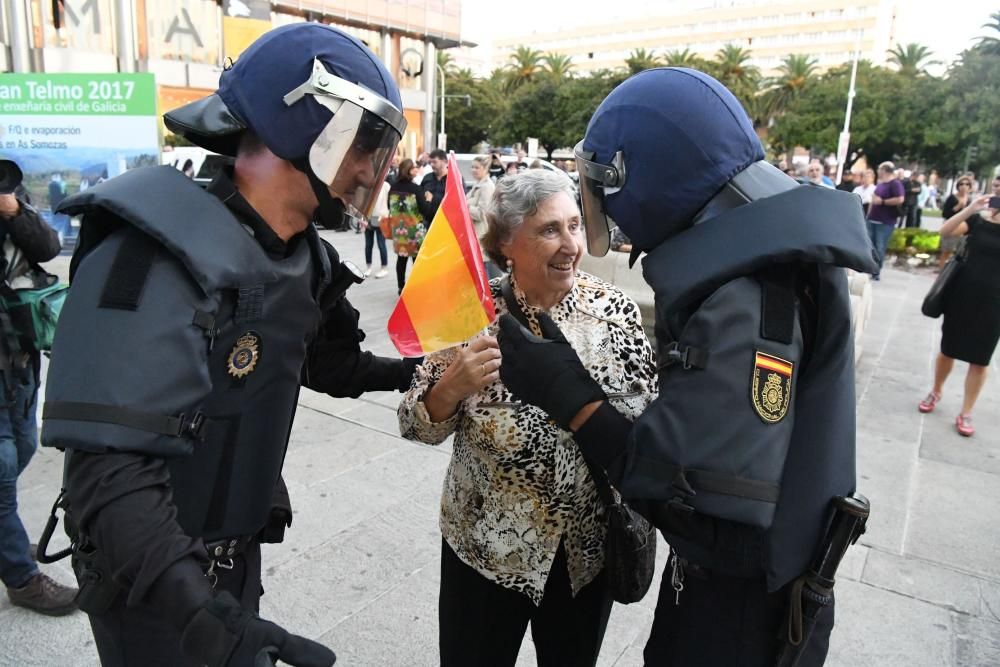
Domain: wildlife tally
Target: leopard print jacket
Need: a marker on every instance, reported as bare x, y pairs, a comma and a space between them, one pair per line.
517, 484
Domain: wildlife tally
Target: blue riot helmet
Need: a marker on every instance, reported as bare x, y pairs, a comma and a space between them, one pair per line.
658, 151
315, 96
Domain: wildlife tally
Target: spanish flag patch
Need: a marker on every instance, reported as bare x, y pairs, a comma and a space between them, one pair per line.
771, 387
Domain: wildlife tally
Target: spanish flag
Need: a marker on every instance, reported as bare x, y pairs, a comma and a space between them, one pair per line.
447, 298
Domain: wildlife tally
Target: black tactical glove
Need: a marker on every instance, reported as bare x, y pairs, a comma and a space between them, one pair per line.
223, 634
406, 372
545, 372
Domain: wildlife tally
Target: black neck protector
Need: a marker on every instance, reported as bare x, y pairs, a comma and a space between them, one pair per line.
331, 211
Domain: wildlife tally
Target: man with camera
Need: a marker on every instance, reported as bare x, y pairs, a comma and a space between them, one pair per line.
25, 240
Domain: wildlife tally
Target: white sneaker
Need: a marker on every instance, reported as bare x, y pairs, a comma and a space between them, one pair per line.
368, 272
382, 273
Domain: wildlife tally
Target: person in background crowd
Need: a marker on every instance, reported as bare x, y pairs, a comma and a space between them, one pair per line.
433, 185
188, 169
511, 169
479, 197
26, 241
373, 232
866, 188
815, 175
393, 173
847, 183
406, 224
496, 167
924, 199
536, 164
883, 214
521, 164
523, 526
911, 211
971, 325
954, 203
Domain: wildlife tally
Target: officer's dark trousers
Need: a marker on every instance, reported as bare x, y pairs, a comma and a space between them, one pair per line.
138, 636
483, 623
725, 622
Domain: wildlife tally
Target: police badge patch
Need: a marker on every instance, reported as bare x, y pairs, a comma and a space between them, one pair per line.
245, 355
771, 387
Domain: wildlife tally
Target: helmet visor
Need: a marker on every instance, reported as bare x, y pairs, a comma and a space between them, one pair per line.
596, 181
352, 155
353, 152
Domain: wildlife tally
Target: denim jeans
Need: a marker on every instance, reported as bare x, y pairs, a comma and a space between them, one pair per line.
18, 441
880, 233
373, 233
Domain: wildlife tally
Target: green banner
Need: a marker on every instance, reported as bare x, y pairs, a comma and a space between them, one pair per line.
78, 94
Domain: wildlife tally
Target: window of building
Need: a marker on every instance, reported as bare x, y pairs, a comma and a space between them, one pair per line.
88, 26
183, 30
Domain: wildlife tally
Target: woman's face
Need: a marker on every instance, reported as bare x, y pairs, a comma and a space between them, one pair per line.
546, 249
414, 170
478, 171
963, 187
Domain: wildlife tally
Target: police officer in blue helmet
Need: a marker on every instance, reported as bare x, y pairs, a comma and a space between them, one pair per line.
746, 460
193, 319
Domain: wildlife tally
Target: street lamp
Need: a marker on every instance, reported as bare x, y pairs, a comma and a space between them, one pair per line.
844, 142
442, 141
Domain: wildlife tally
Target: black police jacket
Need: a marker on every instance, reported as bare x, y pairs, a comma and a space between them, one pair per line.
176, 368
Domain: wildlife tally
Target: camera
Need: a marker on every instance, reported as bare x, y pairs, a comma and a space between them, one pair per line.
994, 203
10, 177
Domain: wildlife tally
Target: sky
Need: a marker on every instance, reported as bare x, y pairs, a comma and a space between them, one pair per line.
946, 28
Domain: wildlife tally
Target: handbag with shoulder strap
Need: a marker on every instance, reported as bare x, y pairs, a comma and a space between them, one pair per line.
630, 542
933, 305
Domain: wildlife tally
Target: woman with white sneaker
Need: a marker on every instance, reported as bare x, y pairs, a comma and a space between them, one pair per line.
373, 234
971, 324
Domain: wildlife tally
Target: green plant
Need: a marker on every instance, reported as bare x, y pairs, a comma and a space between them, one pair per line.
920, 240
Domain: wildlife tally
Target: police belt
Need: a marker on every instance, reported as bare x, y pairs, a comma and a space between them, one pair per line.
229, 548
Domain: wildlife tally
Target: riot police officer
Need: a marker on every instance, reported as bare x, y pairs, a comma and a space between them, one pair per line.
192, 320
741, 458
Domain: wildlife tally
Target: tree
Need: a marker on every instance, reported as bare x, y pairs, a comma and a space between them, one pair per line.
557, 65
524, 64
795, 73
471, 122
683, 58
990, 45
732, 67
640, 59
445, 61
912, 59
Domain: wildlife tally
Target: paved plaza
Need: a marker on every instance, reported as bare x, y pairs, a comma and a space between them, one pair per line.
359, 569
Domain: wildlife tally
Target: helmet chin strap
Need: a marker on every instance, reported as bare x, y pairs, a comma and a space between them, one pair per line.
331, 210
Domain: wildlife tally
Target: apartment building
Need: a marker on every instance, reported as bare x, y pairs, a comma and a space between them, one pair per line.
827, 30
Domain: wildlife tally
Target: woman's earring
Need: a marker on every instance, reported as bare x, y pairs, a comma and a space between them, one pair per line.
510, 264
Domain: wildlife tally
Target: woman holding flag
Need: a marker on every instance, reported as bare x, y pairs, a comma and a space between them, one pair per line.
522, 522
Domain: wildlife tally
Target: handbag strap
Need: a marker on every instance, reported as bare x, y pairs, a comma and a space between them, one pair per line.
600, 476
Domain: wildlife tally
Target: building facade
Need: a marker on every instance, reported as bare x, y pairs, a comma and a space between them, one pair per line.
185, 43
827, 30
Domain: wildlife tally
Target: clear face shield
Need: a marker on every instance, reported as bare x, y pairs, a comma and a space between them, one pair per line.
354, 151
597, 181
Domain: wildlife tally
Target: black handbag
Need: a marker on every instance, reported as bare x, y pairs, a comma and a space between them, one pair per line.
630, 542
933, 305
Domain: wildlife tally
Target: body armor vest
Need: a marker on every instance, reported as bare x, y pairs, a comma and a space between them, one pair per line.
754, 424
181, 338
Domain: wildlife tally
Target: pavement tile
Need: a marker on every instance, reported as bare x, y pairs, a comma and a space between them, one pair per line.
44, 641
977, 641
954, 518
885, 476
885, 629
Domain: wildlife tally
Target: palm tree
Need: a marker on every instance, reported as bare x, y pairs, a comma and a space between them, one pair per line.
795, 73
640, 59
991, 44
445, 61
683, 58
912, 59
732, 67
557, 65
524, 64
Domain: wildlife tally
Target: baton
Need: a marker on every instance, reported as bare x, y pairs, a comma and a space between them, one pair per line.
812, 593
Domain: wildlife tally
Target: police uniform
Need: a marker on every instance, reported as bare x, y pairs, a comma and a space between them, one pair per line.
739, 460
189, 328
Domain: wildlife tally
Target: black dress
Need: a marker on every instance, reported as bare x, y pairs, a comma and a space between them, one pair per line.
972, 307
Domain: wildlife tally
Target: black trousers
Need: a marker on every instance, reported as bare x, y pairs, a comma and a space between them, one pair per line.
721, 621
138, 636
401, 261
483, 623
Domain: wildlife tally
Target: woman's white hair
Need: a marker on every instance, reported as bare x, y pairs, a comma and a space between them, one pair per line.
515, 198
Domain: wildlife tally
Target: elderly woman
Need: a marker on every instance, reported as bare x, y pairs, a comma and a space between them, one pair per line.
522, 523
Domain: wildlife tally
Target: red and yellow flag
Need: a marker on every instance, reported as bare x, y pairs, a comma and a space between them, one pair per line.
446, 299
